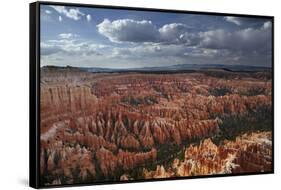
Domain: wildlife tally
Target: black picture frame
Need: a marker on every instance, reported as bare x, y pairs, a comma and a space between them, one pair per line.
34, 90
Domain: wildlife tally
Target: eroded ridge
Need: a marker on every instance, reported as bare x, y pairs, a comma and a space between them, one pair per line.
123, 126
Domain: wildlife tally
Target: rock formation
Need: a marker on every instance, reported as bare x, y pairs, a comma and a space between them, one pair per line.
97, 126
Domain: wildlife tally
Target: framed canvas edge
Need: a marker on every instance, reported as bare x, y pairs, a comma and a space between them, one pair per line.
34, 94
34, 89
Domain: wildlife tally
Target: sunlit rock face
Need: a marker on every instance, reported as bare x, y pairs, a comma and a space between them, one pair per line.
124, 126
248, 153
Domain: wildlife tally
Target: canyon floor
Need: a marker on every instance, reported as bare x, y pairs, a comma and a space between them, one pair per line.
98, 127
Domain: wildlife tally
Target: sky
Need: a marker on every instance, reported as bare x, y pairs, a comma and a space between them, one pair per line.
112, 38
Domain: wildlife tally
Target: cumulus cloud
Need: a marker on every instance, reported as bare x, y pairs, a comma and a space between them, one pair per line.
143, 42
245, 21
136, 52
67, 35
149, 50
267, 25
154, 54
234, 20
128, 30
72, 13
248, 39
48, 49
241, 46
89, 18
48, 12
70, 47
172, 32
181, 42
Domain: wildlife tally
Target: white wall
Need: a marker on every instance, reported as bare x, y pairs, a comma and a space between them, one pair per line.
14, 92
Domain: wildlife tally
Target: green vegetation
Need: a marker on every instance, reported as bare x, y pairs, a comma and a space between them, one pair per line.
135, 101
235, 125
220, 91
254, 91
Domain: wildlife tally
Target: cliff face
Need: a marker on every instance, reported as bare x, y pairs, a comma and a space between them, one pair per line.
96, 126
57, 102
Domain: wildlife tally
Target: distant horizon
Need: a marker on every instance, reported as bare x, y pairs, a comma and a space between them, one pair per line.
152, 66
112, 38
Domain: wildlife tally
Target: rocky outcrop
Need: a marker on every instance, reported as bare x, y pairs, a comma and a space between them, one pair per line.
255, 152
98, 125
108, 162
248, 153
159, 173
58, 102
65, 162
